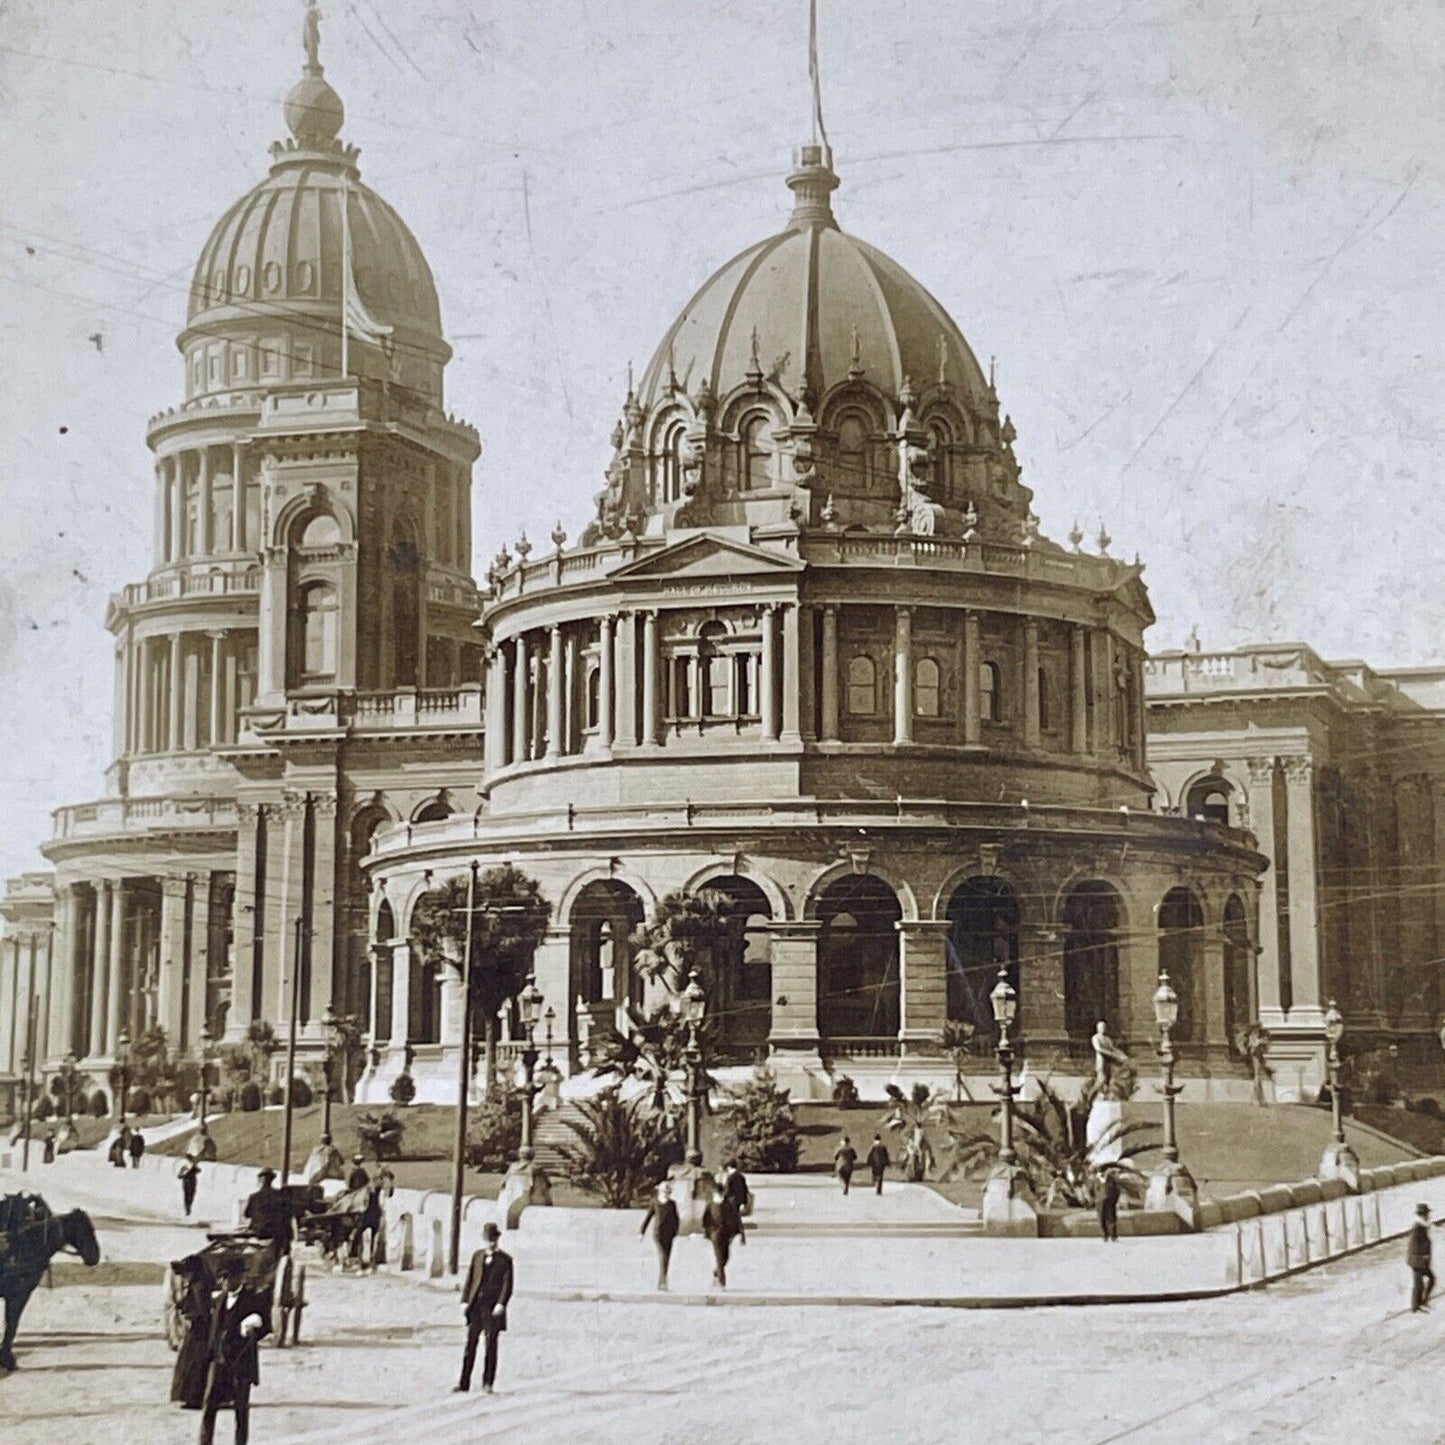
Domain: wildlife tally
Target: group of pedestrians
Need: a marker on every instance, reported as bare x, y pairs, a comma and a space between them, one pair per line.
728, 1200
845, 1161
128, 1144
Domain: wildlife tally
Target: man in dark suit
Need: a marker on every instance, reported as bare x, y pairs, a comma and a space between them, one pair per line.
878, 1162
1417, 1256
662, 1217
238, 1323
1109, 1189
484, 1299
722, 1222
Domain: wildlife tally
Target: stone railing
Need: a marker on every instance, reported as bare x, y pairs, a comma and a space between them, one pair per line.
406, 709
1256, 668
112, 816
212, 582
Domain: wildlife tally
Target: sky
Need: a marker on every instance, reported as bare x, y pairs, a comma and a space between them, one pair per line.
1202, 239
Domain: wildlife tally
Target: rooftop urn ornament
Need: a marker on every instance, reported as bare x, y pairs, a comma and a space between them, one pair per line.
1076, 537
524, 547
559, 535
1103, 540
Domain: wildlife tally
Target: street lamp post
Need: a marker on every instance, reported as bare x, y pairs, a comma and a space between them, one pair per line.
530, 1003
1339, 1161
694, 1007
205, 1042
1170, 1182
331, 1027
122, 1072
1008, 1202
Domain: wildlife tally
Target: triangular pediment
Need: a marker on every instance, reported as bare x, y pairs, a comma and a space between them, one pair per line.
708, 555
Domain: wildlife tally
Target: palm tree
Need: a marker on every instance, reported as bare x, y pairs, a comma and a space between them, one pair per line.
910, 1115
621, 1149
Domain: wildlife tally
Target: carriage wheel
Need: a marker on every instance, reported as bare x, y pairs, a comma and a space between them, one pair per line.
282, 1302
298, 1305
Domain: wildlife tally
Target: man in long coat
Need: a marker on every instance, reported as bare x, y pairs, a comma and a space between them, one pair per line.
663, 1219
238, 1324
722, 1222
484, 1299
1417, 1256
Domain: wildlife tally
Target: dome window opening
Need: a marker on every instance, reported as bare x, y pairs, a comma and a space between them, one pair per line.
671, 468
990, 693
755, 456
942, 440
1209, 801
853, 452
927, 688
316, 624
862, 686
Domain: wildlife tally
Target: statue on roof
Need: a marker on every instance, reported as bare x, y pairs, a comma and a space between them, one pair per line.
311, 37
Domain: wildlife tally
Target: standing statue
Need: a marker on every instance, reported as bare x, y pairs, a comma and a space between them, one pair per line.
1106, 1055
311, 37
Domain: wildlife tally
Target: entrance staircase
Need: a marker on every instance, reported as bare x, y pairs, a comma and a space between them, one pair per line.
550, 1135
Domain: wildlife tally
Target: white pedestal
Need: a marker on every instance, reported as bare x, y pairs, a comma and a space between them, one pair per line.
1341, 1162
1008, 1202
1105, 1115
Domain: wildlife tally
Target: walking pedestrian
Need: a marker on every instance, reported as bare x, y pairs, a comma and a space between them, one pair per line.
238, 1324
1417, 1256
188, 1379
190, 1173
47, 1154
1109, 1205
735, 1186
878, 1162
722, 1222
137, 1148
662, 1217
488, 1289
845, 1160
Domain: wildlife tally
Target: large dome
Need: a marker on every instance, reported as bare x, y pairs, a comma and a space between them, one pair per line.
811, 307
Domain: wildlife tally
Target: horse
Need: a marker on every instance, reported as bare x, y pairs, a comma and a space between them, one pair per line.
30, 1238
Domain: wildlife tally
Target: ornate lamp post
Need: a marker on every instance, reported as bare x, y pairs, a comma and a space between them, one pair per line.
1008, 1202
549, 1019
122, 1072
530, 1004
693, 1008
205, 1042
1339, 1161
331, 1029
1170, 1178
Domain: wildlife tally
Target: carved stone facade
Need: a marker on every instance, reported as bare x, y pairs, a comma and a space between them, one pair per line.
1339, 771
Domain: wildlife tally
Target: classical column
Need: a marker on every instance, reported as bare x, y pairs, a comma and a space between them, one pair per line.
604, 684
1078, 691
191, 706
238, 496
797, 678
923, 970
494, 735
1304, 944
554, 692
972, 662
9, 1000
232, 712
571, 671
162, 539
120, 724
62, 972
203, 501
828, 726
322, 954
520, 684
902, 675
99, 971
649, 678
217, 643
768, 675
245, 908
795, 984
1031, 682
1261, 817
179, 546
172, 957
1103, 681
114, 1003
176, 684
198, 960
400, 992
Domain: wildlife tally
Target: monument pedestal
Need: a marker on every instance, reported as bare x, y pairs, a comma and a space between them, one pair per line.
1341, 1162
527, 1183
1106, 1117
1172, 1187
1009, 1206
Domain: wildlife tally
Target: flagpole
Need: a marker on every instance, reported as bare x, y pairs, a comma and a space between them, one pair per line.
345, 268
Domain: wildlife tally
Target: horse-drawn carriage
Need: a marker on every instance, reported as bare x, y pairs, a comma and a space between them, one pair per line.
31, 1234
276, 1277
344, 1222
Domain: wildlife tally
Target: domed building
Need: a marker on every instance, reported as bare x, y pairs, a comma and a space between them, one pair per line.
814, 652
299, 666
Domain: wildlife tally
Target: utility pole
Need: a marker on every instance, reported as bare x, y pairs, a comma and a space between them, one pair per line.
291, 1050
464, 1079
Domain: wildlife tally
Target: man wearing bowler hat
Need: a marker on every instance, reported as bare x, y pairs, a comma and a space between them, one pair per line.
484, 1300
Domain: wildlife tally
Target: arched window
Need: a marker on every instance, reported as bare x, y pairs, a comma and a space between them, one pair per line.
1209, 799
321, 531
990, 696
853, 452
318, 631
862, 686
927, 687
594, 698
942, 440
756, 470
672, 462
715, 672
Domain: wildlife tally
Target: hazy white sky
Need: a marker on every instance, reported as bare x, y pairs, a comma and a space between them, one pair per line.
1204, 241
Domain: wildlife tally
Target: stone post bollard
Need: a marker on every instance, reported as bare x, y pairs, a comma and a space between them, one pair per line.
401, 1248
1372, 1219
436, 1253
1354, 1222
1252, 1269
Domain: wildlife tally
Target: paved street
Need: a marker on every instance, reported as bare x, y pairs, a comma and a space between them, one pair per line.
1327, 1355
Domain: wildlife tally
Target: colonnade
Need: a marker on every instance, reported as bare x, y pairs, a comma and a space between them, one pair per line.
184, 690
569, 687
204, 510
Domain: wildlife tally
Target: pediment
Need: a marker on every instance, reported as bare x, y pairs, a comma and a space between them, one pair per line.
708, 555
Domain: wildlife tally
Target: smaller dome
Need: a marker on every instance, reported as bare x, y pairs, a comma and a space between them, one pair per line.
314, 112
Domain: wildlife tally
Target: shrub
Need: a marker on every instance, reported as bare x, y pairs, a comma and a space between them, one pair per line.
762, 1133
494, 1133
845, 1092
1428, 1105
43, 1107
301, 1095
138, 1101
99, 1104
249, 1096
621, 1149
1380, 1088
221, 1101
275, 1094
403, 1089
381, 1138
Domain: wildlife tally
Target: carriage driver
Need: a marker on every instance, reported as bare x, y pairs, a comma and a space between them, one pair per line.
267, 1213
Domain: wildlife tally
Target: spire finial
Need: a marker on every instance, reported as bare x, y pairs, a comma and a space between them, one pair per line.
820, 132
311, 38
813, 180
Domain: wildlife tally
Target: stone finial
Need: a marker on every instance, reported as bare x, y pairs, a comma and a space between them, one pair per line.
1076, 536
559, 535
524, 547
1103, 540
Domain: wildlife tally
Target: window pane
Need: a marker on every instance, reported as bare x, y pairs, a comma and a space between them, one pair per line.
862, 687
926, 684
